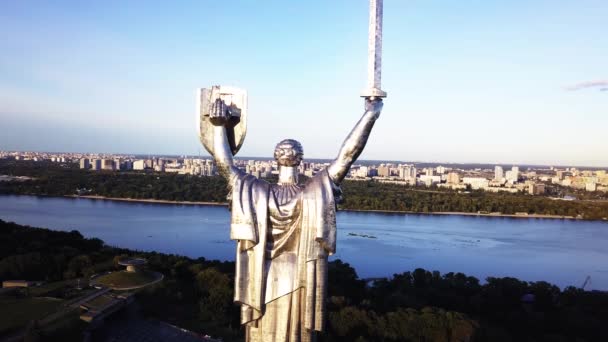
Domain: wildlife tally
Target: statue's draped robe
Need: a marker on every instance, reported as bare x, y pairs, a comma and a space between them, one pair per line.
284, 235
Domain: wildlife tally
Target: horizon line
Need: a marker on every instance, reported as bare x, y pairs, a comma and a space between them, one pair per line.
559, 165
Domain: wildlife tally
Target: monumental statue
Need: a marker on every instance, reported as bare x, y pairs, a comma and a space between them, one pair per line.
284, 232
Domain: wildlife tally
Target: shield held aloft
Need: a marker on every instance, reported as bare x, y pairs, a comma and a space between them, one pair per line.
235, 100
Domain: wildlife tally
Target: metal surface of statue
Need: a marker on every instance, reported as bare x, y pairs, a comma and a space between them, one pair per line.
284, 232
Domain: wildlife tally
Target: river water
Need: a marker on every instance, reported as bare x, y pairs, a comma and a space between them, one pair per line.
563, 252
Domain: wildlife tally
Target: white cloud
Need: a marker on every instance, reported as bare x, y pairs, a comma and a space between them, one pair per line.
589, 84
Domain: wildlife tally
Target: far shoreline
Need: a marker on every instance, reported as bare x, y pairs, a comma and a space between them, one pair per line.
462, 213
225, 204
143, 200
378, 211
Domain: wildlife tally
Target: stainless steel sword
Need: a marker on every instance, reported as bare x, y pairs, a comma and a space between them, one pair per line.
374, 46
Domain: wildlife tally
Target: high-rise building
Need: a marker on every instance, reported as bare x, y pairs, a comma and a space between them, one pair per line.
84, 163
209, 169
513, 175
108, 164
498, 173
407, 172
453, 178
440, 170
536, 189
402, 170
384, 171
363, 172
96, 164
139, 164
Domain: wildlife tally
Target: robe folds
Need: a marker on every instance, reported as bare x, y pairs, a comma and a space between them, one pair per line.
284, 235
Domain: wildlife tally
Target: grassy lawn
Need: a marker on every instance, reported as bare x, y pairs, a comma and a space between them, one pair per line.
99, 302
68, 328
123, 279
40, 291
15, 313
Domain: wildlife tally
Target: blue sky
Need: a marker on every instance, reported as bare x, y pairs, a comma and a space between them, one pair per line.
468, 81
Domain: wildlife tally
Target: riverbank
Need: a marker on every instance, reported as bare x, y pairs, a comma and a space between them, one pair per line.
155, 201
144, 200
522, 215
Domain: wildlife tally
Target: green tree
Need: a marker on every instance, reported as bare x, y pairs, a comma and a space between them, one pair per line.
215, 295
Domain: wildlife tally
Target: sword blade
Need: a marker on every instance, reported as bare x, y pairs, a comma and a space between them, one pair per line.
374, 66
374, 46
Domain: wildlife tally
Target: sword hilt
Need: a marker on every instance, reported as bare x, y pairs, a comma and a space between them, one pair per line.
373, 92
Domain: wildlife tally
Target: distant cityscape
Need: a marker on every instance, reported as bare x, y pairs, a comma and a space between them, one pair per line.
532, 180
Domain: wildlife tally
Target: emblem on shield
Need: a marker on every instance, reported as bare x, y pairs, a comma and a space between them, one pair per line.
235, 100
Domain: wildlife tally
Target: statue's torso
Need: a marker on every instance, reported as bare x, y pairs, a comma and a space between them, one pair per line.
282, 241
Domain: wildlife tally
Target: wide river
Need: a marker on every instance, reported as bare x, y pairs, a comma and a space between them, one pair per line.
562, 252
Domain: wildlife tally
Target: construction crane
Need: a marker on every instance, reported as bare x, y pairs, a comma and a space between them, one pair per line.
587, 281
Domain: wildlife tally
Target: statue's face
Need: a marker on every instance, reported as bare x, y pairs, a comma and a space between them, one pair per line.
288, 153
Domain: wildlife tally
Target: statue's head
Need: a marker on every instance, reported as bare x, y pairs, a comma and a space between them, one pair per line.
288, 152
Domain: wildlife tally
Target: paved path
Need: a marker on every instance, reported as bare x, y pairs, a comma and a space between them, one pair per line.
63, 310
77, 302
129, 326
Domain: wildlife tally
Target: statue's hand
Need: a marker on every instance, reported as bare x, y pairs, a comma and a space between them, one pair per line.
374, 106
219, 113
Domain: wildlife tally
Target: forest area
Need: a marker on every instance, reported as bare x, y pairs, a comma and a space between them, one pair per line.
417, 305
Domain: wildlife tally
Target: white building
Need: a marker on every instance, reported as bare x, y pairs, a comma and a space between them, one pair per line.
513, 175
498, 173
407, 172
430, 180
363, 172
476, 182
139, 164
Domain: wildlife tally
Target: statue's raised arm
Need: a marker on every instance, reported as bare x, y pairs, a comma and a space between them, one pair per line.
222, 153
355, 142
223, 124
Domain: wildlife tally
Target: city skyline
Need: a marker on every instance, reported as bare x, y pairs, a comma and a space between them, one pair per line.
422, 163
515, 83
461, 177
